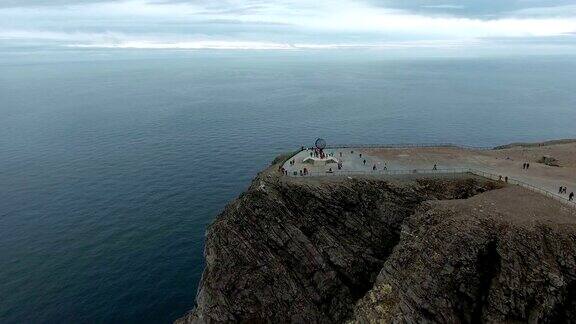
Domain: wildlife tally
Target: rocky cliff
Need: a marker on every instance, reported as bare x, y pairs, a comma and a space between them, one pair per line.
398, 250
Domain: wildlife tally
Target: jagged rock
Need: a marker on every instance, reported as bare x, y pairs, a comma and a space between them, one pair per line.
511, 262
368, 250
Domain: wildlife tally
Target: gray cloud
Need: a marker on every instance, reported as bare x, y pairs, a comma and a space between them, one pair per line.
43, 3
482, 9
285, 21
216, 5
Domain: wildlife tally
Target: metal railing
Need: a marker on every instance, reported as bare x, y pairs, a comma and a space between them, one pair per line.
380, 172
452, 171
410, 145
526, 185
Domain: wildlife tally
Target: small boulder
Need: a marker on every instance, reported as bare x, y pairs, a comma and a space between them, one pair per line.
548, 160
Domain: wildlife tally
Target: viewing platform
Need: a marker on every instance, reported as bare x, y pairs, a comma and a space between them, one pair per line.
516, 164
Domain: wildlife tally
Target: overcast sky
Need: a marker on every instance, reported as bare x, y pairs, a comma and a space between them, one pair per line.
286, 24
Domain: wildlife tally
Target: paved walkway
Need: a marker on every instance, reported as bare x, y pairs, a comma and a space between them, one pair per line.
505, 162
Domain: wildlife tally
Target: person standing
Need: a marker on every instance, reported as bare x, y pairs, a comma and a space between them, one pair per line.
571, 196
527, 165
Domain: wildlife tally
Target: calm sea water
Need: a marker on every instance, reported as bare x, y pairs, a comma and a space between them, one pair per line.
112, 163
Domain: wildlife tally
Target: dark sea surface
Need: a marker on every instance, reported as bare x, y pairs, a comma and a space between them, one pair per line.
112, 163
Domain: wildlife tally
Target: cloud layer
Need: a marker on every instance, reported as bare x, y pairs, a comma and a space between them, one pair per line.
284, 24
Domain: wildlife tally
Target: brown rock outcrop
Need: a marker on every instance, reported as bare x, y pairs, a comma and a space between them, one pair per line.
370, 250
503, 256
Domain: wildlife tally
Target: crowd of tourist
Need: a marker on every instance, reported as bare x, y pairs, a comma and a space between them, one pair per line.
319, 153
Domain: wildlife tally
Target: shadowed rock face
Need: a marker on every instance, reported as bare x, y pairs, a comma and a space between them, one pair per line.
503, 256
302, 251
366, 250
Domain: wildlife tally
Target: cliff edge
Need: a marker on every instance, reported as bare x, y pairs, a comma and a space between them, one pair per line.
441, 249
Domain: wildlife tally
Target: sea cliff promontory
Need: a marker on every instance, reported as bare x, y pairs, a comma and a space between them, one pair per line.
447, 248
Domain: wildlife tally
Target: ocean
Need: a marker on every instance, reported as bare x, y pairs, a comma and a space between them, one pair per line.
114, 162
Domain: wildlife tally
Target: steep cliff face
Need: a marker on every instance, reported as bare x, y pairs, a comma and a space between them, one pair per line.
293, 250
503, 256
369, 250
